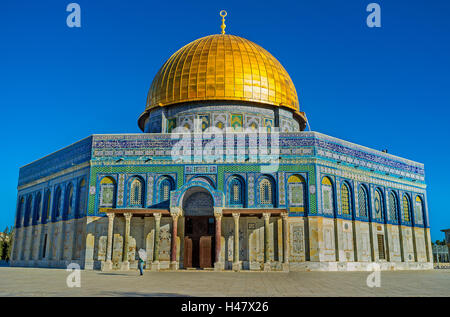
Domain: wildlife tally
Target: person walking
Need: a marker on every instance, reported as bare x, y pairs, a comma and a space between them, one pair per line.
142, 256
141, 266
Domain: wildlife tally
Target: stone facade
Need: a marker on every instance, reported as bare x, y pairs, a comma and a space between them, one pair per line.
313, 222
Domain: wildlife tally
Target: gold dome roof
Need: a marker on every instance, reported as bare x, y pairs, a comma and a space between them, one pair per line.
222, 67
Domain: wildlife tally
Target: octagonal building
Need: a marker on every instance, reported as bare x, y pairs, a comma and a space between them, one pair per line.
223, 177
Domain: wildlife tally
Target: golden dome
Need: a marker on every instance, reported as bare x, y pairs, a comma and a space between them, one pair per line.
222, 67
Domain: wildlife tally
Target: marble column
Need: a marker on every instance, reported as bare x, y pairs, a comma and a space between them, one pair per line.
236, 263
173, 254
218, 265
125, 262
108, 264
266, 216
155, 264
285, 265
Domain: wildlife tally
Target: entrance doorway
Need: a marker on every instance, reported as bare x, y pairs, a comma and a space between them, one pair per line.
199, 228
199, 241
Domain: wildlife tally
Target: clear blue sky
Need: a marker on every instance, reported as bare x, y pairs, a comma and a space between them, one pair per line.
385, 87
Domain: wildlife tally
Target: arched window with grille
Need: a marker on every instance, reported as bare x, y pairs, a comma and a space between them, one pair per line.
236, 192
26, 219
327, 196
363, 202
57, 203
266, 194
107, 192
46, 206
137, 192
346, 201
393, 210
296, 193
81, 198
165, 185
20, 212
378, 205
406, 209
37, 208
68, 201
418, 210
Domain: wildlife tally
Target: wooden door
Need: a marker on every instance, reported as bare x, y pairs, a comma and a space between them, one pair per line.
187, 252
205, 252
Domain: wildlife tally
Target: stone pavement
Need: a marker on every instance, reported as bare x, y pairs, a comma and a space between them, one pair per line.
52, 282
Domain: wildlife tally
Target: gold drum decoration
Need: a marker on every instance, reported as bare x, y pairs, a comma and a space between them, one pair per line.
222, 67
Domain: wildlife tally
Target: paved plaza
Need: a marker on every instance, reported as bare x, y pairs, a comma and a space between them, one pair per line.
52, 282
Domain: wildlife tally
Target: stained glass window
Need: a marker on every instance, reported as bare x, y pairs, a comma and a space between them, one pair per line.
392, 207
236, 192
362, 202
345, 199
406, 209
136, 196
265, 191
164, 190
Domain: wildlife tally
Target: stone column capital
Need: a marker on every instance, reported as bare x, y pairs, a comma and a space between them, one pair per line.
236, 215
218, 211
266, 215
157, 216
284, 215
111, 215
175, 211
175, 216
127, 215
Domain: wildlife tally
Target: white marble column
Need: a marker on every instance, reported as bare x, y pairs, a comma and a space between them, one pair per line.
108, 264
126, 239
155, 264
266, 216
236, 262
285, 265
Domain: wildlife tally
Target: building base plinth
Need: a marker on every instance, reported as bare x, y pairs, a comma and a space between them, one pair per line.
174, 265
125, 266
267, 267
106, 266
237, 266
155, 266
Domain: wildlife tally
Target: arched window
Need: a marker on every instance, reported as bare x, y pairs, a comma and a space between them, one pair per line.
345, 199
20, 212
107, 192
406, 209
46, 207
327, 196
26, 219
81, 199
68, 201
296, 193
363, 202
236, 192
266, 196
57, 203
418, 210
37, 207
378, 205
393, 207
166, 184
136, 193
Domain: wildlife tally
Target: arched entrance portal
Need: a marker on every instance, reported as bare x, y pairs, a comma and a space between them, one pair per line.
199, 228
